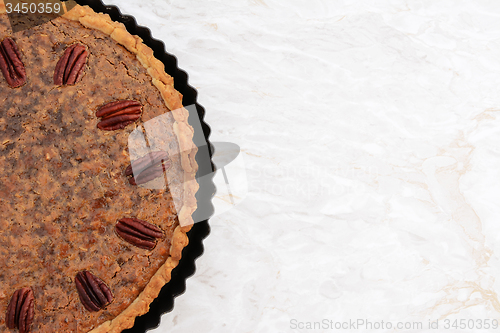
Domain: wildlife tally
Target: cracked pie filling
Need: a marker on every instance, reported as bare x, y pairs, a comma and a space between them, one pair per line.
88, 236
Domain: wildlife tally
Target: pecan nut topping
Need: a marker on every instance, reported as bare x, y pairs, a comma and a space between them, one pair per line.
94, 293
69, 68
21, 310
117, 115
10, 63
148, 167
138, 233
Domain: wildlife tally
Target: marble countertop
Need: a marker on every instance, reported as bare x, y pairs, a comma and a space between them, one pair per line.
369, 134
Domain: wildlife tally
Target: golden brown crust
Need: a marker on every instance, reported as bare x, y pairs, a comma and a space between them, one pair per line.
184, 132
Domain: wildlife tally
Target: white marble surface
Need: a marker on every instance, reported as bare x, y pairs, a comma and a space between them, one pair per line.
370, 134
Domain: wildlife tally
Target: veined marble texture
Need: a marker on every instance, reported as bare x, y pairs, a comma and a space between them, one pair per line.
370, 132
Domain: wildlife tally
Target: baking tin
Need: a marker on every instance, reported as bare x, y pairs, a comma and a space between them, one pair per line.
186, 268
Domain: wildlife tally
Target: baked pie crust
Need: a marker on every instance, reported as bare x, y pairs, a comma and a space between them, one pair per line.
94, 165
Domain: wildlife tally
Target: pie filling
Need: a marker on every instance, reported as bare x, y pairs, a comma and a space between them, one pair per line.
77, 229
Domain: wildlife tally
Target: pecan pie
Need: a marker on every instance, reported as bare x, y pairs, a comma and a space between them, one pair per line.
89, 235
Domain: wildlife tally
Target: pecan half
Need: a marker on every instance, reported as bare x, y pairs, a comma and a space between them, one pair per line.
10, 63
94, 293
117, 115
69, 69
138, 233
21, 310
148, 167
